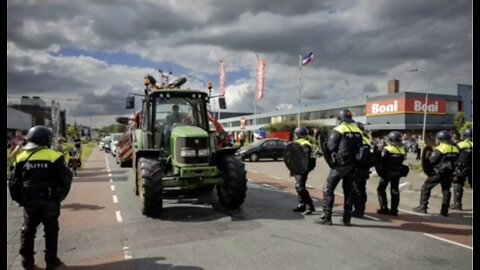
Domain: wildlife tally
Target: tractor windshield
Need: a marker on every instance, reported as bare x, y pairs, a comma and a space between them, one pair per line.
176, 111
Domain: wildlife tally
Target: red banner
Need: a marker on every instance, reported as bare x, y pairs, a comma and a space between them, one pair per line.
222, 78
260, 78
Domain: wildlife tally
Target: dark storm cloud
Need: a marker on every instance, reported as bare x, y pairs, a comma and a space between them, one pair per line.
113, 102
19, 13
23, 79
29, 82
404, 30
364, 39
369, 88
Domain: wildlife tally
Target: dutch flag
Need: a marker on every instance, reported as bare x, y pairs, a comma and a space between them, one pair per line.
307, 59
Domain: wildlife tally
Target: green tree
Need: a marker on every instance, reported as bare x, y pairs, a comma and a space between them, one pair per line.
458, 122
114, 128
72, 132
465, 126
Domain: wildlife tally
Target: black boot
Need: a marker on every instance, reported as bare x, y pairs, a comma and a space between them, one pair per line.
393, 212
28, 262
457, 196
423, 206
420, 209
53, 264
456, 206
310, 209
383, 211
300, 208
325, 219
444, 210
357, 214
346, 220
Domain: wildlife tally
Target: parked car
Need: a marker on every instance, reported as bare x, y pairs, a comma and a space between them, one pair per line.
113, 143
106, 144
265, 148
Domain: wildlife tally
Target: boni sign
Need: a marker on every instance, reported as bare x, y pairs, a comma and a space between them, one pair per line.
405, 105
384, 108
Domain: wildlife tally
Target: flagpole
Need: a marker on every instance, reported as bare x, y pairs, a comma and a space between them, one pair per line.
255, 110
299, 85
219, 109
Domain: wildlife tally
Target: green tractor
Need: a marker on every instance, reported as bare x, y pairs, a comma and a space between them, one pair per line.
174, 148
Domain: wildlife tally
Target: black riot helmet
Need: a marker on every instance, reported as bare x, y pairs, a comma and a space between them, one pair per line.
394, 138
345, 116
38, 136
361, 126
301, 132
468, 133
443, 135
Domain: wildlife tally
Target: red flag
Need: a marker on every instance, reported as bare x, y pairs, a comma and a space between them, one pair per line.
260, 78
222, 78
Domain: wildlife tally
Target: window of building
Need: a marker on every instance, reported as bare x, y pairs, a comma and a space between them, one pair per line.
452, 107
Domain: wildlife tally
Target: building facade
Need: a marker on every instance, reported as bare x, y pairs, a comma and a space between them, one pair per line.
402, 111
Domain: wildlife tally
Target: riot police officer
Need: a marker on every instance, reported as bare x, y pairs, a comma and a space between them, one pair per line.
442, 160
390, 171
344, 146
45, 183
363, 173
464, 168
305, 203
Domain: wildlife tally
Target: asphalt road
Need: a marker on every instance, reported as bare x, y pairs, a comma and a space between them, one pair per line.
101, 227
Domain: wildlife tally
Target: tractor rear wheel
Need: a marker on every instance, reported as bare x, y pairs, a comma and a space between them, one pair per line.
150, 186
232, 192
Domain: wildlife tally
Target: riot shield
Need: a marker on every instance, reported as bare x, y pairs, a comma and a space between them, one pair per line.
325, 152
426, 165
295, 158
377, 161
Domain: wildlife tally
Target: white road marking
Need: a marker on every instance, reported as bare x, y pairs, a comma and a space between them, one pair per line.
111, 180
109, 175
276, 177
414, 213
115, 199
372, 218
252, 171
403, 184
270, 186
126, 253
308, 186
119, 216
112, 187
448, 241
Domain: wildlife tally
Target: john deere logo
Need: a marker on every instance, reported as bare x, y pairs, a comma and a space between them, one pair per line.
28, 166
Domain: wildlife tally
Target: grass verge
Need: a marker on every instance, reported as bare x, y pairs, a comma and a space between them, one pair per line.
87, 149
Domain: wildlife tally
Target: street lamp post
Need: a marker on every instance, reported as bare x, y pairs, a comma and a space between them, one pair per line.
426, 101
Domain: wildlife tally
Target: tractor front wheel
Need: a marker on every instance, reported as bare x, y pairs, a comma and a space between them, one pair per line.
150, 186
232, 192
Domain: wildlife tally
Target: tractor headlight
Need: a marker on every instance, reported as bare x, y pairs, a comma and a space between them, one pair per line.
187, 153
203, 152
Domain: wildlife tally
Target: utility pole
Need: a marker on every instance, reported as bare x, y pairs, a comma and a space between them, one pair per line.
426, 101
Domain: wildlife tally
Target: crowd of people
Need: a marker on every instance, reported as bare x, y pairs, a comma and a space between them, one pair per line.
352, 154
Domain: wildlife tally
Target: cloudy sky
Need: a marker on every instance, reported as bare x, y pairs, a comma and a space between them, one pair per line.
88, 55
